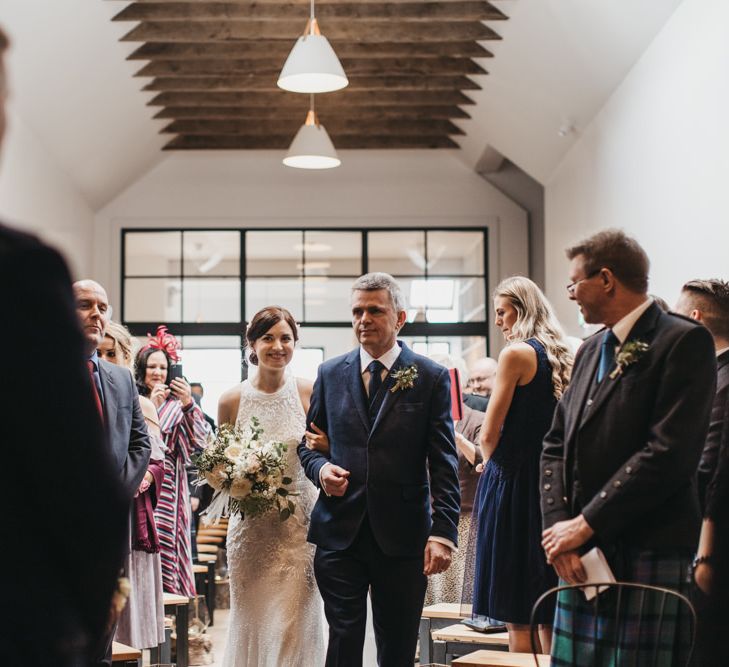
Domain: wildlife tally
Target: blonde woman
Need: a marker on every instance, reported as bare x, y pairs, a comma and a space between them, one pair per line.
533, 372
142, 621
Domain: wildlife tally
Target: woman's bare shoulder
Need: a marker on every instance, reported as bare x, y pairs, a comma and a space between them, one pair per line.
228, 405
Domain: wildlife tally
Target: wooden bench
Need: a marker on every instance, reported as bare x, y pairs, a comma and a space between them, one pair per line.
456, 640
207, 548
204, 573
178, 605
217, 532
437, 616
487, 658
210, 539
121, 654
207, 558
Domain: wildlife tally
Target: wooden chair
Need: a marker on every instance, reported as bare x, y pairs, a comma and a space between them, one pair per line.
210, 539
647, 628
207, 548
121, 654
433, 617
456, 640
487, 658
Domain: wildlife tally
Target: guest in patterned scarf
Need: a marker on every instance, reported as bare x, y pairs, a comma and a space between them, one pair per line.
184, 431
141, 623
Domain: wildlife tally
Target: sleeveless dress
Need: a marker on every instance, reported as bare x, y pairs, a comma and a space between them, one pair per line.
276, 613
511, 569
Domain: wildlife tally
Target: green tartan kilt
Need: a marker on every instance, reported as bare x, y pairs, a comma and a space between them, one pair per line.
626, 628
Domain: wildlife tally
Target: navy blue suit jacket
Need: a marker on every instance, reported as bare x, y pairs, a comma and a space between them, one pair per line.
403, 467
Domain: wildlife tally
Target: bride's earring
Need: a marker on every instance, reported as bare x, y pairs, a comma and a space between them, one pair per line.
253, 358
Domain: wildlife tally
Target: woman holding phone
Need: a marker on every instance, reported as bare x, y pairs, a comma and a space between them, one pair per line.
184, 431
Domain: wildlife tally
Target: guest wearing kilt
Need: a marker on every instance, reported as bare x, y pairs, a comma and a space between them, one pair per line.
618, 464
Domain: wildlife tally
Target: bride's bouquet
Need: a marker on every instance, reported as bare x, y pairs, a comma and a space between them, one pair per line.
246, 472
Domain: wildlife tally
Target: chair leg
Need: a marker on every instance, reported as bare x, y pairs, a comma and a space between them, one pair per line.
425, 641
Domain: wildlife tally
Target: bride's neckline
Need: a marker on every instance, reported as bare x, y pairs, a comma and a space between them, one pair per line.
268, 393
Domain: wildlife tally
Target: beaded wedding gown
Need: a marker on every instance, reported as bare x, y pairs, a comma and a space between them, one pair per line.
276, 616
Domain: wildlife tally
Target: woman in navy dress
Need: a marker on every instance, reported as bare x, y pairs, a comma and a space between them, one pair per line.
533, 372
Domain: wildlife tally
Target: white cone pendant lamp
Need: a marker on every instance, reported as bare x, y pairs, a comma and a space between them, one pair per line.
312, 65
312, 148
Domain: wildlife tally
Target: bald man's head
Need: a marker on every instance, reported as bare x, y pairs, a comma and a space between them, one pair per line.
94, 312
481, 376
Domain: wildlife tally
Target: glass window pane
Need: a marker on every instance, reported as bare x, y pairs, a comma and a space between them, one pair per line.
152, 300
285, 292
327, 299
211, 253
468, 348
444, 299
455, 253
397, 253
152, 253
216, 369
333, 340
274, 253
211, 300
332, 253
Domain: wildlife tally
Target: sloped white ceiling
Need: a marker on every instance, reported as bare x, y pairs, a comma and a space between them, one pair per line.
558, 63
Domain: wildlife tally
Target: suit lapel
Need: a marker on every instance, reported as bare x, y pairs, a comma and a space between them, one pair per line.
641, 330
392, 397
583, 390
354, 385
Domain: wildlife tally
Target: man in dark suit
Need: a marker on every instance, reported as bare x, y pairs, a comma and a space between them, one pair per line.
117, 404
707, 301
387, 512
618, 466
64, 506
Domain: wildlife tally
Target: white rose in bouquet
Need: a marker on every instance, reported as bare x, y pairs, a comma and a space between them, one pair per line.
233, 452
241, 488
252, 465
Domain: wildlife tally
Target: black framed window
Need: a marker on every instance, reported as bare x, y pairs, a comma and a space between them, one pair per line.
209, 282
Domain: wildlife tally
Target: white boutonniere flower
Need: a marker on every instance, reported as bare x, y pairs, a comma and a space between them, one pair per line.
404, 378
628, 354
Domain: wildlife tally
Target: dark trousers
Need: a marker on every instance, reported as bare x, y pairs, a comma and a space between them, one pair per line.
396, 587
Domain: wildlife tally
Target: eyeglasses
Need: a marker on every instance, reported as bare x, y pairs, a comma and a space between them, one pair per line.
571, 286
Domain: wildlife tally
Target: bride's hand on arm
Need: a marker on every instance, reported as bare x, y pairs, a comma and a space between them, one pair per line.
517, 363
317, 439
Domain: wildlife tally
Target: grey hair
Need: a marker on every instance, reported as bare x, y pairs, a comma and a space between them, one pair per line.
371, 282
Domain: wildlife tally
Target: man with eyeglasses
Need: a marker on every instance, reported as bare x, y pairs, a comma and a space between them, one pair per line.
618, 465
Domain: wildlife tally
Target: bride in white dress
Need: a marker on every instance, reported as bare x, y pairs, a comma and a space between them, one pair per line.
276, 616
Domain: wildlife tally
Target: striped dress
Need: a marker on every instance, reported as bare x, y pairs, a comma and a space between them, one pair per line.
184, 432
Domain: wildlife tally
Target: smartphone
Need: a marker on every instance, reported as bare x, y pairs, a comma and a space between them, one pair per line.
175, 372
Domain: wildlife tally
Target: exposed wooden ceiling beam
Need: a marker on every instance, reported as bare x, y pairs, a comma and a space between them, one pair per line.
327, 111
334, 125
282, 142
256, 82
266, 49
356, 31
343, 98
458, 10
352, 66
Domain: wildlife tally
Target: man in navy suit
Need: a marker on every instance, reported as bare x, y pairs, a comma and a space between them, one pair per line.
387, 513
117, 402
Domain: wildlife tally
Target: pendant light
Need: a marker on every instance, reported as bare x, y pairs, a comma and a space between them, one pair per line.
312, 148
312, 65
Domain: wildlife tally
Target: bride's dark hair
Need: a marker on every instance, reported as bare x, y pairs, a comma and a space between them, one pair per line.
262, 321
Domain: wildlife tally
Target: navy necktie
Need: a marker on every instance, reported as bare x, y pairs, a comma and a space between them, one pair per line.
375, 370
607, 353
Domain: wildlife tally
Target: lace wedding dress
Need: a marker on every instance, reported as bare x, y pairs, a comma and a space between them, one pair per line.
276, 615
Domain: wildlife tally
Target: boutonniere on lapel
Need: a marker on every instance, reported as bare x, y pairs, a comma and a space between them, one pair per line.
628, 354
404, 378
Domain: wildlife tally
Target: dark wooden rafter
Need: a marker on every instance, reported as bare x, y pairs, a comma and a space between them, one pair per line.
271, 67
401, 112
334, 125
454, 10
214, 67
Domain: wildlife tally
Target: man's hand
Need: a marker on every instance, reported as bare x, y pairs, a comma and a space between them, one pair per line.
565, 536
437, 558
334, 480
569, 567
